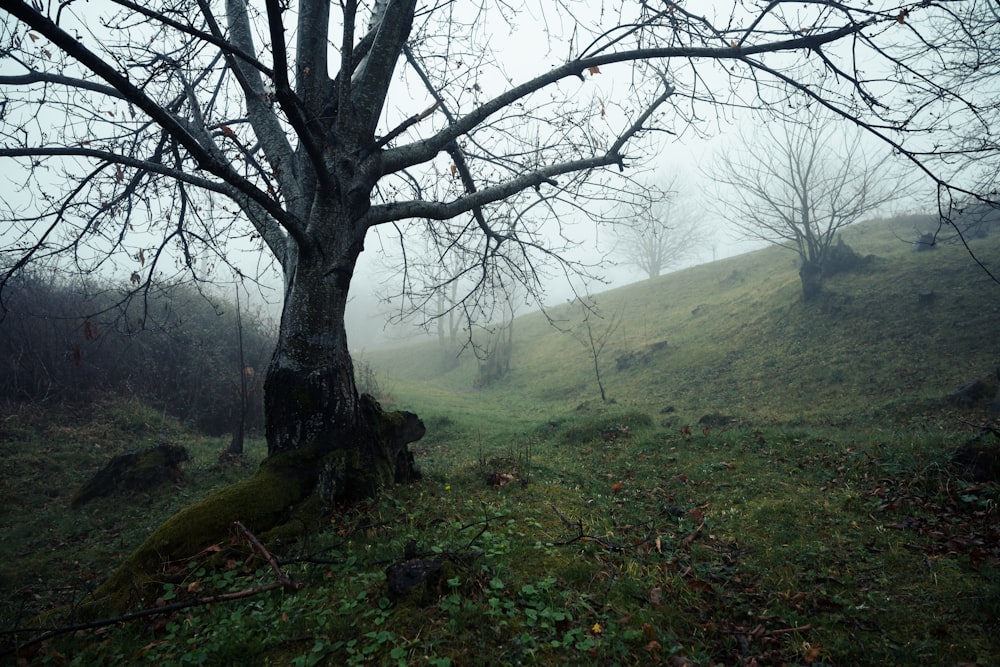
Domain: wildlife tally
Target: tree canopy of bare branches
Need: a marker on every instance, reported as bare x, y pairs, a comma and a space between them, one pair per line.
799, 184
178, 136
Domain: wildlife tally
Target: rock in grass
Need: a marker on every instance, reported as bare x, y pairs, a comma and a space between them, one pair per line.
135, 471
969, 394
978, 460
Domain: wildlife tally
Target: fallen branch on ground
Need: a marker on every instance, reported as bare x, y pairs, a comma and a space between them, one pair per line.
282, 581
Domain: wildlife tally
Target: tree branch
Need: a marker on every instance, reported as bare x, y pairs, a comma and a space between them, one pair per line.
45, 77
545, 175
173, 126
420, 151
371, 80
214, 39
311, 142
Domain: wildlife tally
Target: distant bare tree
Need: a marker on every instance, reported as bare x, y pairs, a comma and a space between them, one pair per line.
798, 184
429, 299
663, 233
495, 353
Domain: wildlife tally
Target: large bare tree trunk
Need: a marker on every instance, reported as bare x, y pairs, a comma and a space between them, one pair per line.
310, 397
309, 393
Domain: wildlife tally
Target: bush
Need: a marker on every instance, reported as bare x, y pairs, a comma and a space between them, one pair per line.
174, 347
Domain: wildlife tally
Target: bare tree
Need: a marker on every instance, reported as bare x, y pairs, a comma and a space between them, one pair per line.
176, 135
429, 297
798, 185
593, 332
663, 232
494, 354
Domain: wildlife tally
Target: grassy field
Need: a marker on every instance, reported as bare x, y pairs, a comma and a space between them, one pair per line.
768, 484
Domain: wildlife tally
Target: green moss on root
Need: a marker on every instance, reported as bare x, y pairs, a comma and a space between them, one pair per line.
260, 503
285, 499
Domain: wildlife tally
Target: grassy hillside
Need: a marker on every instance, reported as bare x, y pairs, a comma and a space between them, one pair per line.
734, 337
825, 525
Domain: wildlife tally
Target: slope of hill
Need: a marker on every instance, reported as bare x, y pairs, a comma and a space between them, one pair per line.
734, 337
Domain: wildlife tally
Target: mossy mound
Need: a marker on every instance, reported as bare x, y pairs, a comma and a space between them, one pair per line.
284, 500
268, 499
140, 470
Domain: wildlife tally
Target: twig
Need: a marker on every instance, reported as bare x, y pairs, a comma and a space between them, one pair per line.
578, 524
983, 428
780, 631
760, 631
486, 526
312, 560
697, 531
283, 582
607, 544
142, 613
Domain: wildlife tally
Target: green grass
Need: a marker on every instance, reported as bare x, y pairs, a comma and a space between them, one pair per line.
823, 526
734, 336
52, 554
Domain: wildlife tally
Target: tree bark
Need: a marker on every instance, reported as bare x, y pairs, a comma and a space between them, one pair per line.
310, 396
811, 274
310, 393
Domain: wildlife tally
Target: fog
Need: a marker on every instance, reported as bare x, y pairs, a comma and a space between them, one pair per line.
682, 149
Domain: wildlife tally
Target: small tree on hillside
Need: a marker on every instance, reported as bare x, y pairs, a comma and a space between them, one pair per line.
663, 232
593, 332
798, 185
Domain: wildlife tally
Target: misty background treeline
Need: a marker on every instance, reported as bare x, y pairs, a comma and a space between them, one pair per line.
176, 346
76, 340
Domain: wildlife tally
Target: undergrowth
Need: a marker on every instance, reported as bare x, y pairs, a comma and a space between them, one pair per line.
630, 544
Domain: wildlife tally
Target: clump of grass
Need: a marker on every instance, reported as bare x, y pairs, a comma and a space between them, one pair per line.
606, 427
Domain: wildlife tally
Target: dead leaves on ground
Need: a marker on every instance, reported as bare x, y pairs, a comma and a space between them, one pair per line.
955, 518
